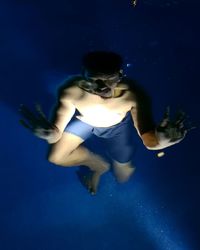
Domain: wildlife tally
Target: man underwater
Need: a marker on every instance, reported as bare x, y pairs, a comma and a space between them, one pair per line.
102, 102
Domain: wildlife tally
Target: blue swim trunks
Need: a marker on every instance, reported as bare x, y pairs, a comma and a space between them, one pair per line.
117, 137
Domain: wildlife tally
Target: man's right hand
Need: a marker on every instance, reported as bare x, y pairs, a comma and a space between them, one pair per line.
39, 125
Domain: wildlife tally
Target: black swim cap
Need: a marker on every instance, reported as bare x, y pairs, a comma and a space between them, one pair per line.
102, 62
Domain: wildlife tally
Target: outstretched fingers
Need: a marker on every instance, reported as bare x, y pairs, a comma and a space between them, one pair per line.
42, 117
39, 110
166, 118
183, 123
34, 120
180, 118
28, 115
25, 124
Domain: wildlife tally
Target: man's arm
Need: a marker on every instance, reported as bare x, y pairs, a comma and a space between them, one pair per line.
64, 110
40, 126
166, 134
145, 129
142, 117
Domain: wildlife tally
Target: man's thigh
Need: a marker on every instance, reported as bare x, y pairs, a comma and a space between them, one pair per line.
120, 148
79, 128
75, 133
64, 147
120, 145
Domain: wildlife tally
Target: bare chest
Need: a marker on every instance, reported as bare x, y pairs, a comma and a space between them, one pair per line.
100, 112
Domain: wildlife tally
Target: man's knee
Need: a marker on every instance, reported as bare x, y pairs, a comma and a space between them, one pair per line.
56, 158
60, 151
52, 158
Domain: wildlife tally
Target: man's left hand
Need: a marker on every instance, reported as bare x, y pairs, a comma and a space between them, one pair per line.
170, 132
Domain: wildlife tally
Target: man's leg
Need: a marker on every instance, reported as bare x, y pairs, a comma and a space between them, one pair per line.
68, 152
120, 149
123, 171
121, 155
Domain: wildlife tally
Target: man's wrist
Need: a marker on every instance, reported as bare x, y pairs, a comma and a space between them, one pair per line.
150, 139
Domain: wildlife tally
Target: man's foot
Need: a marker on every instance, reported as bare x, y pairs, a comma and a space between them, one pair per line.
90, 180
98, 166
123, 171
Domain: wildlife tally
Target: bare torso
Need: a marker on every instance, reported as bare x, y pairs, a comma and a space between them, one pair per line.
100, 112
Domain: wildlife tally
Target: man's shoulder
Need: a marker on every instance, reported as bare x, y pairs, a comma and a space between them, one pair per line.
70, 88
129, 82
71, 81
135, 87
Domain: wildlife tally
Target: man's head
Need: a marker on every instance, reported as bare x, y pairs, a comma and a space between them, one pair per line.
102, 70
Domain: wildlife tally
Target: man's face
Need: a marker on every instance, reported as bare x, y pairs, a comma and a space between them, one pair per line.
104, 84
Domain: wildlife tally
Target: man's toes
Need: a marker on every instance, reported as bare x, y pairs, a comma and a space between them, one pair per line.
92, 191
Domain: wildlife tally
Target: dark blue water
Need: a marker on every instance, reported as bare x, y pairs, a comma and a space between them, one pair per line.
44, 207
